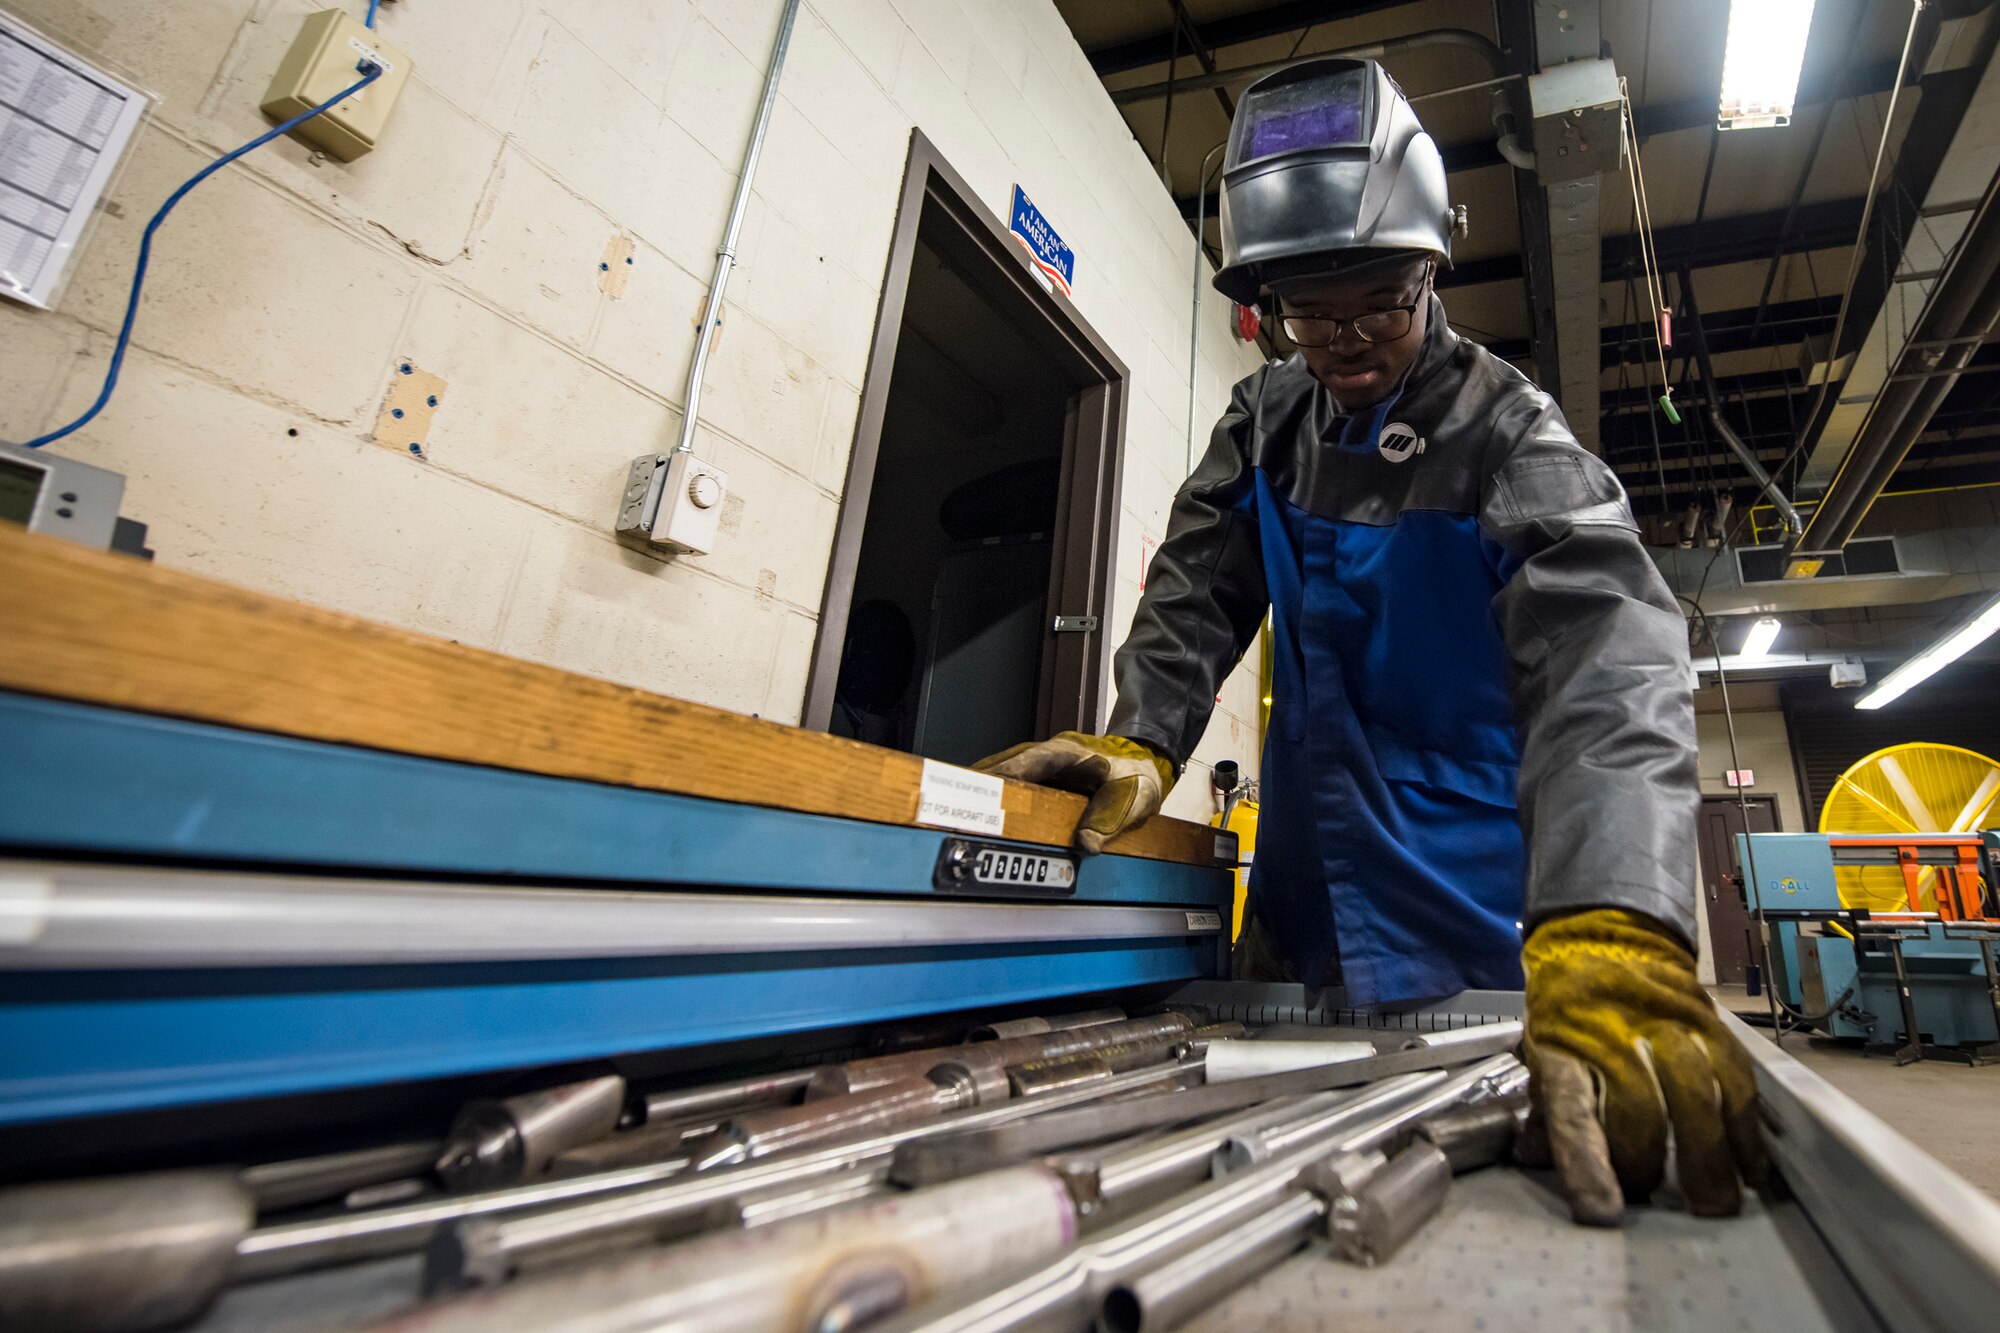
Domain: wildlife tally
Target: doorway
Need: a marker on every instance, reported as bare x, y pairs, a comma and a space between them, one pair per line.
971, 577
1731, 944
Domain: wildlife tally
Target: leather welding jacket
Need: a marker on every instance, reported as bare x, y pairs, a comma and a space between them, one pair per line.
1480, 701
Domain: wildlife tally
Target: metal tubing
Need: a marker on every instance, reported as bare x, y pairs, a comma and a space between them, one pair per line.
1034, 1080
478, 1246
725, 258
830, 1271
1168, 1296
504, 1142
1161, 1031
1471, 1137
1096, 1123
907, 1101
756, 1090
1185, 1158
1066, 1294
1036, 1025
280, 1185
1222, 78
1371, 1224
1230, 1061
121, 1253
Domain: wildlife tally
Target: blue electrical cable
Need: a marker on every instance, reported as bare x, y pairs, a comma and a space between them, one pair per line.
371, 12
370, 72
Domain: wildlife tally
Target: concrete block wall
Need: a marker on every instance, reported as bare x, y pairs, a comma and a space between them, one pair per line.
536, 142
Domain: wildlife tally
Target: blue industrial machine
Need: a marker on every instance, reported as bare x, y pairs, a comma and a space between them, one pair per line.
1917, 982
192, 914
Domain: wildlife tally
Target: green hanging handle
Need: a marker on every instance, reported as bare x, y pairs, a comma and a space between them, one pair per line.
1667, 406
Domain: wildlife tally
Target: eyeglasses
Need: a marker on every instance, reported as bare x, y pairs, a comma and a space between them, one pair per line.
1377, 326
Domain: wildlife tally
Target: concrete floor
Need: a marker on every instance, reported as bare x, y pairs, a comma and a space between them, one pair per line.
1947, 1109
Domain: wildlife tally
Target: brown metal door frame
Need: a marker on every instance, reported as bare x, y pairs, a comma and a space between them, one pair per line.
1082, 564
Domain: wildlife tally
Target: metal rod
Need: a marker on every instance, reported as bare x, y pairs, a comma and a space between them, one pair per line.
1233, 1061
1070, 1292
756, 1090
280, 1185
833, 1270
489, 1253
1171, 1295
1036, 1025
725, 258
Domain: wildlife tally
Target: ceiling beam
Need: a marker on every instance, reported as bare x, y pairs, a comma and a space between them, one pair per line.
1661, 118
1270, 21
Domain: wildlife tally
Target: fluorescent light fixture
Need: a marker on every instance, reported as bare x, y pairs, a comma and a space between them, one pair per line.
1763, 633
1934, 658
1760, 66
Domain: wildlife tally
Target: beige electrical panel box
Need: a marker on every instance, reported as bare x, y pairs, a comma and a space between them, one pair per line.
326, 58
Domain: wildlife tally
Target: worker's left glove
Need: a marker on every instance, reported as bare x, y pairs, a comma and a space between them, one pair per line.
1124, 780
1621, 1043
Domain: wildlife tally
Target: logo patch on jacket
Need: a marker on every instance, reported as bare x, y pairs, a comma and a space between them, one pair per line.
1399, 443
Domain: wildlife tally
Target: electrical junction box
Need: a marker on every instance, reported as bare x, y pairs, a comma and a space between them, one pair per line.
672, 500
1575, 110
327, 57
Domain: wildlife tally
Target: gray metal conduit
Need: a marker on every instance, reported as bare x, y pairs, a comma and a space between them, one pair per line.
1471, 41
725, 258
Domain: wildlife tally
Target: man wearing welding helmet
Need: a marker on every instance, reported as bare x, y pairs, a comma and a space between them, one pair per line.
1481, 723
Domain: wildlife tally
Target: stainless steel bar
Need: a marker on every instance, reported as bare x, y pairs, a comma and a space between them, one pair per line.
1034, 1025
1161, 1031
125, 1252
1480, 1034
1183, 1158
1065, 1295
907, 1101
279, 1185
1370, 1224
504, 1141
482, 1247
757, 1090
1232, 1061
1474, 1136
1168, 1296
1055, 1132
817, 1274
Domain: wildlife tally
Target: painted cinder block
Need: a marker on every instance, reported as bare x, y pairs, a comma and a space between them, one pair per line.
421, 184
647, 334
535, 249
172, 51
640, 39
526, 416
777, 526
471, 51
762, 390
791, 283
714, 92
248, 285
255, 495
586, 602
825, 82
871, 29
38, 355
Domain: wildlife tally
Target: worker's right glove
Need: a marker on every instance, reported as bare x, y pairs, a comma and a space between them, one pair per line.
1124, 780
1622, 1042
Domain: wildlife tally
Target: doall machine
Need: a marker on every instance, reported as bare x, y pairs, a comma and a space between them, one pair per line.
358, 979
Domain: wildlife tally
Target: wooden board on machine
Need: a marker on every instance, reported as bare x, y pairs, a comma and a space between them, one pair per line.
107, 629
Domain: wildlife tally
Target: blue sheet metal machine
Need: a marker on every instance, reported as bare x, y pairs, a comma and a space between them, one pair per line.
1915, 983
191, 913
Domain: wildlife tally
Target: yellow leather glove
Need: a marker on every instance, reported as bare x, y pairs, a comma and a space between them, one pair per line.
1621, 1043
1124, 780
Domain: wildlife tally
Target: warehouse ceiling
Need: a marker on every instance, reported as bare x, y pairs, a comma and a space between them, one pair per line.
1755, 231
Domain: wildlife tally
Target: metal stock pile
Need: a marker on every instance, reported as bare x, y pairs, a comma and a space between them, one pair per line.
1050, 1173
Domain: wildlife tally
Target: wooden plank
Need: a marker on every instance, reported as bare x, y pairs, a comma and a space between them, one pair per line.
107, 629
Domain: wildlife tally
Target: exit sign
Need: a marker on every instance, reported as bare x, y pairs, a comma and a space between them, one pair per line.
1740, 777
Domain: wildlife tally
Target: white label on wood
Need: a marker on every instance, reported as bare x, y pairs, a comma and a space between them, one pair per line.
959, 798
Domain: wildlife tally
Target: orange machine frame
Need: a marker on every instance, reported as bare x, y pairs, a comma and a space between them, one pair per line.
1958, 894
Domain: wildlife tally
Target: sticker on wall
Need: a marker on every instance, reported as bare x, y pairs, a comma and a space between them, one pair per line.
1050, 255
1148, 544
614, 267
407, 408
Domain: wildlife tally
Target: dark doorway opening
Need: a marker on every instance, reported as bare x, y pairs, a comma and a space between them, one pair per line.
1729, 923
972, 565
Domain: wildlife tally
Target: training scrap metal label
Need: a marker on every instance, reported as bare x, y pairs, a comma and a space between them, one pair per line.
1039, 239
951, 797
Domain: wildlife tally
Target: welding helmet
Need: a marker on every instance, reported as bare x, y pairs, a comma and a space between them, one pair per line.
1327, 169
